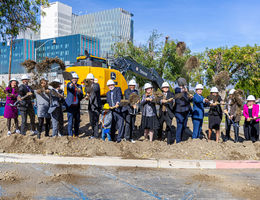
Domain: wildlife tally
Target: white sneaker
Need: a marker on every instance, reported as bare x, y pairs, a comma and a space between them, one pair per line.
132, 141
9, 133
17, 131
34, 133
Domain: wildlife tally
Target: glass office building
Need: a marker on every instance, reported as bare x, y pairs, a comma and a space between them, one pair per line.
67, 48
109, 26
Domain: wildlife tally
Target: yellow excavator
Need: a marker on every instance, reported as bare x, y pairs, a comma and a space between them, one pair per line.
103, 72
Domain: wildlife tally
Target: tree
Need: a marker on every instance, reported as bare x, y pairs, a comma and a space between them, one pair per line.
238, 66
16, 16
169, 58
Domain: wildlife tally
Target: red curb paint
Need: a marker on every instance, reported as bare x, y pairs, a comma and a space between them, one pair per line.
237, 164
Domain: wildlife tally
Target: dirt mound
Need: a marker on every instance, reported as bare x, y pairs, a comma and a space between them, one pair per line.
10, 177
68, 178
83, 146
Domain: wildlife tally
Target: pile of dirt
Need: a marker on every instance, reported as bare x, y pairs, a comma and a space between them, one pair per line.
10, 177
67, 177
83, 146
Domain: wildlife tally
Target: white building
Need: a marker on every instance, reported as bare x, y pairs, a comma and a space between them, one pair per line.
56, 21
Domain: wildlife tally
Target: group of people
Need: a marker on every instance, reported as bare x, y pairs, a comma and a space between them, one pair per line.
51, 103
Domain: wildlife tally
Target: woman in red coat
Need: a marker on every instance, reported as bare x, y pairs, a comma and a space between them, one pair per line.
11, 112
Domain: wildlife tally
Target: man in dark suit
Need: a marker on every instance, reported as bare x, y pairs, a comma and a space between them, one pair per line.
25, 105
94, 104
114, 96
74, 96
182, 109
166, 113
130, 112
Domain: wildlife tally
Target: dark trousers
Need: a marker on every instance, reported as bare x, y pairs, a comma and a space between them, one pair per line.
251, 131
73, 119
29, 111
117, 124
228, 124
170, 132
47, 125
9, 123
182, 119
94, 119
197, 128
129, 125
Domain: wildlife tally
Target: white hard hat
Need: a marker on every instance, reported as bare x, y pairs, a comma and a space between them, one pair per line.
165, 84
199, 86
74, 75
250, 98
95, 80
25, 77
57, 80
44, 78
90, 76
147, 85
13, 79
214, 89
231, 91
110, 82
132, 82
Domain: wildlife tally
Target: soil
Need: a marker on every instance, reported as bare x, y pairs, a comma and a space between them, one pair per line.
83, 146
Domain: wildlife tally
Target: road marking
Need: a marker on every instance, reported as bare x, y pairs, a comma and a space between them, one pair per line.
132, 186
75, 190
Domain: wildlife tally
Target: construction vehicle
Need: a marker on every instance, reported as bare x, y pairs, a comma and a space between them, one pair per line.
116, 70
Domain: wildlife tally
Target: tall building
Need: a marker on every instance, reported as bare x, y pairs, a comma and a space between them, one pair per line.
56, 21
109, 26
67, 48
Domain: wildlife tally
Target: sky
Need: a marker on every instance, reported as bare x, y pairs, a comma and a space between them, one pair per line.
200, 24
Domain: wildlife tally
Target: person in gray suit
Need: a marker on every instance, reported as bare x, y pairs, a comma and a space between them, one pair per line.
55, 110
92, 90
25, 106
43, 104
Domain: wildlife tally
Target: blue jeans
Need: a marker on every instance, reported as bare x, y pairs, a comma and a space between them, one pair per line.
197, 126
106, 133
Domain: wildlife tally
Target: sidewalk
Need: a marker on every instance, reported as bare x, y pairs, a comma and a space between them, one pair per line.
119, 162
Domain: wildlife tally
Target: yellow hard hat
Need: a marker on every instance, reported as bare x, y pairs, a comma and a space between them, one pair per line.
106, 106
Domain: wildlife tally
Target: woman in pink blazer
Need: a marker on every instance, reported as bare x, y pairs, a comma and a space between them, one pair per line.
251, 126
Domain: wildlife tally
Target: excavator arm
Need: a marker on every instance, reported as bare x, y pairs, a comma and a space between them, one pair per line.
124, 64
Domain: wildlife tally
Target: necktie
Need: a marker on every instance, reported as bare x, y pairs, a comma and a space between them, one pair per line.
75, 95
112, 98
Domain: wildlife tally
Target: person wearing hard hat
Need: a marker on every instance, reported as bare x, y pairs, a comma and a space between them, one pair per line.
233, 112
182, 108
198, 111
43, 104
94, 104
114, 96
74, 96
11, 112
130, 111
166, 113
106, 121
251, 114
215, 113
149, 122
55, 110
25, 106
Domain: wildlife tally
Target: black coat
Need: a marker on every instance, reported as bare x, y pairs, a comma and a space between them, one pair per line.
127, 94
23, 90
95, 103
169, 105
117, 96
182, 104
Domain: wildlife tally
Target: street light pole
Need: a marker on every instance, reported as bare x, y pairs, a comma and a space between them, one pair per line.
35, 50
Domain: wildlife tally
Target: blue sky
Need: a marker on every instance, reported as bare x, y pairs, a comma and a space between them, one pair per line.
199, 23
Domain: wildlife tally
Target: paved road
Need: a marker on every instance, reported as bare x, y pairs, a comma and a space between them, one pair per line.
62, 182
